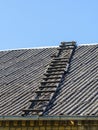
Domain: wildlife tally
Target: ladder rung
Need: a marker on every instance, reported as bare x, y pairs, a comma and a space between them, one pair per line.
55, 81
55, 77
72, 43
68, 47
60, 73
57, 64
61, 58
33, 110
39, 100
56, 67
45, 91
55, 70
48, 86
65, 48
56, 61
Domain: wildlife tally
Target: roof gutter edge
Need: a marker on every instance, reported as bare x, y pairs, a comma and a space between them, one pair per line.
49, 118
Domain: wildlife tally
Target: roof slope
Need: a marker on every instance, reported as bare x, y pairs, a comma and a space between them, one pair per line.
21, 72
79, 91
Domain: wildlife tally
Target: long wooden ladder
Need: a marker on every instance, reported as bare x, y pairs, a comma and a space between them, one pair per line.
52, 80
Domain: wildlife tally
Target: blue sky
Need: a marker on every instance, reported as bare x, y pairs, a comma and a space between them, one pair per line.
35, 23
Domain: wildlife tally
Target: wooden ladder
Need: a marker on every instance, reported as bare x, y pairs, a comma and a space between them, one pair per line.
52, 80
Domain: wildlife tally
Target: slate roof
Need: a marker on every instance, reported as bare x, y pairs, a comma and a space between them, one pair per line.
21, 72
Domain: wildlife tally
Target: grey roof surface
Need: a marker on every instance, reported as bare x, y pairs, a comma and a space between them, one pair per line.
21, 72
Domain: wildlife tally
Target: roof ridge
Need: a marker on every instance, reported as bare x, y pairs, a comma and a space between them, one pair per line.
42, 47
17, 49
87, 44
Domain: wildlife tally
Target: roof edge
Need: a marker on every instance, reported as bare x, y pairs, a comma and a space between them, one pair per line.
78, 44
49, 117
85, 44
30, 48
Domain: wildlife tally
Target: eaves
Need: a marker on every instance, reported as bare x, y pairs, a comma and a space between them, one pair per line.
49, 118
